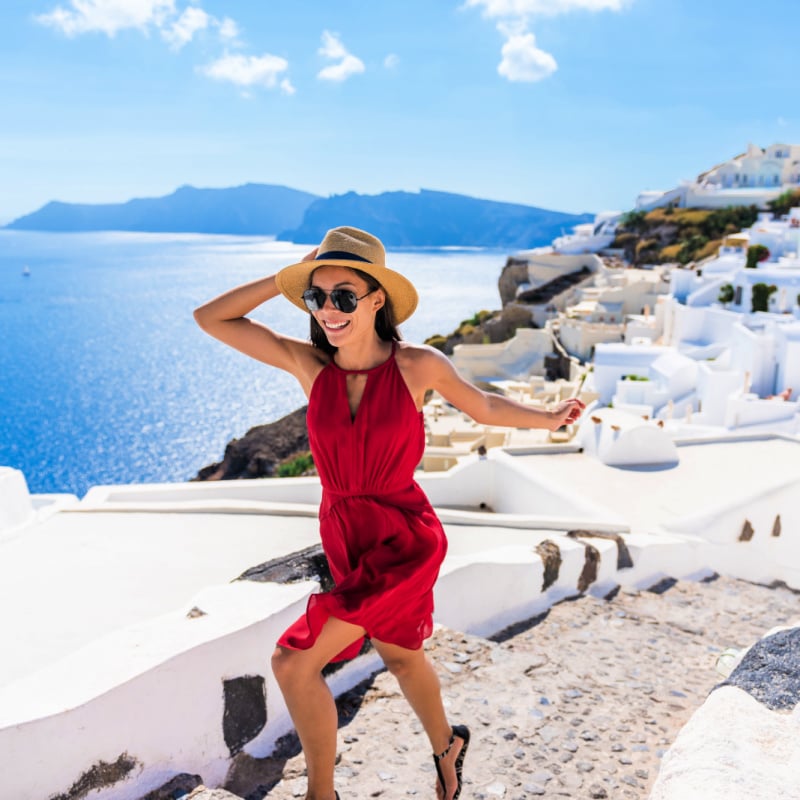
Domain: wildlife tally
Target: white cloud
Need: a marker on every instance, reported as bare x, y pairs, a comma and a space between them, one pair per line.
541, 8
178, 27
184, 28
243, 71
108, 16
347, 64
228, 29
524, 61
391, 61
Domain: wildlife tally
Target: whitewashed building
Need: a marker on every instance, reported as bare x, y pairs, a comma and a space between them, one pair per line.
751, 178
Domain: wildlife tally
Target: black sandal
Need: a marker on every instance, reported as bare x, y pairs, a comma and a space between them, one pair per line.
462, 732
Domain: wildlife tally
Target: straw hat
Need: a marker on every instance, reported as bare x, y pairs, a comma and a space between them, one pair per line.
356, 249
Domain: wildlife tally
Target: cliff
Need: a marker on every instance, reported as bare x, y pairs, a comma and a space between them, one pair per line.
262, 450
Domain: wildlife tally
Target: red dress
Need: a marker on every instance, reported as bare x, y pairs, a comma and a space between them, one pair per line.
379, 532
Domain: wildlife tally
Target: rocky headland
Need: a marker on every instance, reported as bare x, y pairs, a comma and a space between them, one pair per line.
262, 451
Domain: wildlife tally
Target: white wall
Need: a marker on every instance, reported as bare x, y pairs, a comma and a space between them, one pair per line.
544, 267
612, 361
747, 409
505, 487
153, 691
714, 387
579, 338
15, 502
702, 326
297, 490
520, 356
788, 358
511, 579
754, 352
763, 559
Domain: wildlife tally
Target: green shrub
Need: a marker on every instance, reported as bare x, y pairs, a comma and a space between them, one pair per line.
296, 466
783, 202
756, 253
634, 221
726, 293
761, 295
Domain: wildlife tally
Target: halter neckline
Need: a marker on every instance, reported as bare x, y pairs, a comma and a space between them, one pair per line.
366, 371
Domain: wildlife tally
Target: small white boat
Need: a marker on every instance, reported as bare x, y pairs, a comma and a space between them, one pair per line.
26, 270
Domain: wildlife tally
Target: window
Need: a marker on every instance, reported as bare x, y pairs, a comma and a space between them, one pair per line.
737, 296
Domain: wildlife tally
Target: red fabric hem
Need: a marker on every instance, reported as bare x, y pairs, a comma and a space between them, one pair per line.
303, 633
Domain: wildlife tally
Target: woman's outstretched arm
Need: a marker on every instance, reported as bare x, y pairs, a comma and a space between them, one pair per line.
438, 373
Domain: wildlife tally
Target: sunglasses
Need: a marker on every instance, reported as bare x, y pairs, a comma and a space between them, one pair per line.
344, 300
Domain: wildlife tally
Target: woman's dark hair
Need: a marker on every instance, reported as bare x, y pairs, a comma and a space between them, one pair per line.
385, 326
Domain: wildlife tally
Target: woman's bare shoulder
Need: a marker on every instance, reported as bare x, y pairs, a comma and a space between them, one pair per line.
411, 354
422, 365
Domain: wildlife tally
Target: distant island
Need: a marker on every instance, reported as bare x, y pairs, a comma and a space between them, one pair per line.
401, 219
250, 210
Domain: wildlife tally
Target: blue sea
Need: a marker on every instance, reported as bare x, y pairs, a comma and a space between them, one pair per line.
106, 379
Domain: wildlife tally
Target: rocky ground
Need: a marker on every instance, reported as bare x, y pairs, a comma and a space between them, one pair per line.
581, 702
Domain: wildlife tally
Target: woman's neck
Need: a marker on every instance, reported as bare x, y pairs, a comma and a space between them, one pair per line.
363, 355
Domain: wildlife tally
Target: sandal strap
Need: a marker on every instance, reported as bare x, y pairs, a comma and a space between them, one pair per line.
441, 755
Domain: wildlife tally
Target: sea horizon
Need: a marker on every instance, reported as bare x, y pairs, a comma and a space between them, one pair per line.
108, 380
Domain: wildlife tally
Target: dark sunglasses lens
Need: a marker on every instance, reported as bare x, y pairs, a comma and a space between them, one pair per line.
314, 299
344, 300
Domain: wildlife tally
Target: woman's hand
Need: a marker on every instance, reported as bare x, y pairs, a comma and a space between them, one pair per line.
565, 413
310, 256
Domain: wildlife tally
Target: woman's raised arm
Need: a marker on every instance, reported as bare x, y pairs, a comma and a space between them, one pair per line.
225, 319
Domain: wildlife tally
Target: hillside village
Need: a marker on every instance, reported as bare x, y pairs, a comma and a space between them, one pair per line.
700, 347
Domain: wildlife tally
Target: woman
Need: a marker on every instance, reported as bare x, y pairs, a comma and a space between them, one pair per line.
365, 392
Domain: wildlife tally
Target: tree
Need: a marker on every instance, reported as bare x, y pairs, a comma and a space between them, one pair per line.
761, 295
634, 221
726, 294
756, 253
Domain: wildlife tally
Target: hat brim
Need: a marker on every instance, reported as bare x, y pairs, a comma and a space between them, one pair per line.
293, 280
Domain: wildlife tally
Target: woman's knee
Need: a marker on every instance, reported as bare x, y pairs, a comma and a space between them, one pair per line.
287, 665
401, 666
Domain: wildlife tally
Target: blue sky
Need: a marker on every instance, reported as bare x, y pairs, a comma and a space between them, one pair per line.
574, 105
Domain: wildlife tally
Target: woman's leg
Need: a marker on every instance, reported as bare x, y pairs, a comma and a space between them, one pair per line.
310, 703
420, 686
